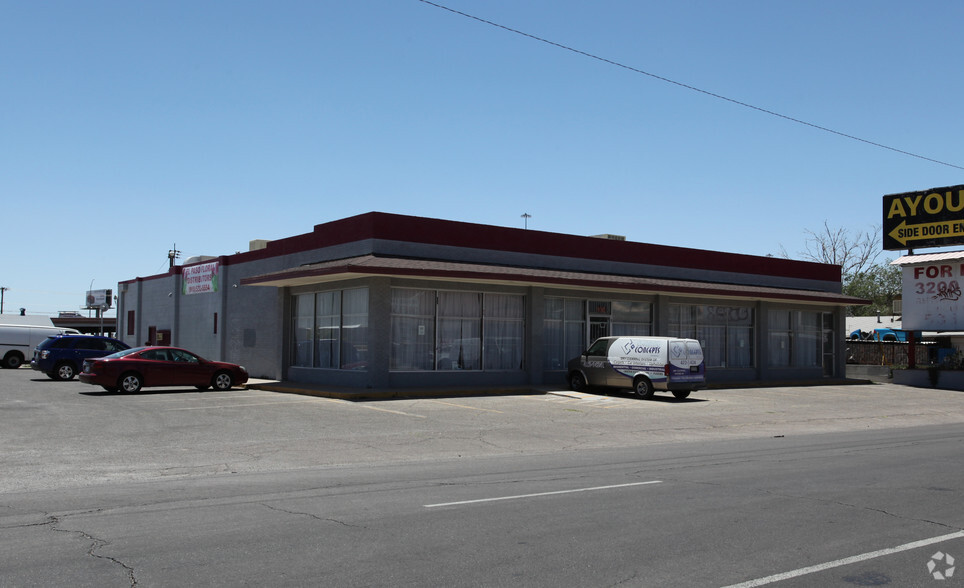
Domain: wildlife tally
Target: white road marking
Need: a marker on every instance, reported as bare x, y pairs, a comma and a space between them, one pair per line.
418, 416
461, 502
845, 561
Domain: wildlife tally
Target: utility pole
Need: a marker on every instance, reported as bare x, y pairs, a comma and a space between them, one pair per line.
173, 254
2, 290
526, 216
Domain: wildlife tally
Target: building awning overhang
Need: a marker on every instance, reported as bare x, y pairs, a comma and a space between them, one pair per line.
915, 258
372, 266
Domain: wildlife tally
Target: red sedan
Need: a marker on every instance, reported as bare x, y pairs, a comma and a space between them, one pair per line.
132, 369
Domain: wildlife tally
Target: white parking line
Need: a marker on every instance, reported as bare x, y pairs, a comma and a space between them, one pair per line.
845, 561
466, 406
542, 494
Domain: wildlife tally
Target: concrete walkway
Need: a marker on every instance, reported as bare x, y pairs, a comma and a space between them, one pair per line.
360, 394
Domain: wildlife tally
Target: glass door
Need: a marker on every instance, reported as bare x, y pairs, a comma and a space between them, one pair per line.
598, 327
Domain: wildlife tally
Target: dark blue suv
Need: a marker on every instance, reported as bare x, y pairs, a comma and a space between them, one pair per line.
62, 356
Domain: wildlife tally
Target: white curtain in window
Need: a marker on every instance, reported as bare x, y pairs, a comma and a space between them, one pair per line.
413, 330
713, 340
806, 351
327, 322
504, 329
739, 347
779, 338
631, 319
354, 329
459, 331
553, 340
302, 329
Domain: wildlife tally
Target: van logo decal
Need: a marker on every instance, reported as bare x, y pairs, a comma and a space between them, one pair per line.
630, 346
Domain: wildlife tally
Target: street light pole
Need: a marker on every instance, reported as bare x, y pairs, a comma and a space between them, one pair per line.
2, 290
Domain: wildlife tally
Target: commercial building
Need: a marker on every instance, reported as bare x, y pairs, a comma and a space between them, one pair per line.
391, 301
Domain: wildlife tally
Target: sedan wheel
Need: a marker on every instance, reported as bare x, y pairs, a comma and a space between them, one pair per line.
131, 383
223, 381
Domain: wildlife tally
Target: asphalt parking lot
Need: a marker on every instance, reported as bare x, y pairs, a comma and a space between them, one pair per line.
827, 485
59, 434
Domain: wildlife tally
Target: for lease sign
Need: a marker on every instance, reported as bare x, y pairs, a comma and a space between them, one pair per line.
929, 218
200, 279
932, 297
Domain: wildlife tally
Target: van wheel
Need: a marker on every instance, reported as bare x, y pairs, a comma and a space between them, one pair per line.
681, 394
12, 360
64, 371
577, 382
643, 387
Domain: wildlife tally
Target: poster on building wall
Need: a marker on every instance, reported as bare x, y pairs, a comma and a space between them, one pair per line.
200, 279
932, 297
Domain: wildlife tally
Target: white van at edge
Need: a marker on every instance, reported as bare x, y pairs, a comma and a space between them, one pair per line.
17, 342
645, 364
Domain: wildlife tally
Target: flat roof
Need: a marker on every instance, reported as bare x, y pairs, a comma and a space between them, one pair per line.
372, 265
395, 228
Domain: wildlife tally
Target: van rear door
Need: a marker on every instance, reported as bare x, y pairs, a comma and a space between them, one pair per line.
686, 362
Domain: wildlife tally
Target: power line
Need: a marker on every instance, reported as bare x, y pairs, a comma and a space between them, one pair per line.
687, 86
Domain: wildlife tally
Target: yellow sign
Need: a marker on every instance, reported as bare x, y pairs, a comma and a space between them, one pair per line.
929, 218
906, 234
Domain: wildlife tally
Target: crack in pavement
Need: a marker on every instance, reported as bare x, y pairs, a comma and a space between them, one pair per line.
310, 515
830, 501
96, 544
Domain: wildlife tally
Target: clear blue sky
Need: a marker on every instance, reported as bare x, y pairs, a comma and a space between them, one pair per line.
127, 127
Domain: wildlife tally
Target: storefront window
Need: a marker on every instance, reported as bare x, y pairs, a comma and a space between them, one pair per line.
725, 332
780, 335
302, 329
554, 339
795, 338
459, 331
475, 331
354, 329
564, 325
330, 329
632, 319
504, 326
806, 351
327, 322
564, 331
413, 330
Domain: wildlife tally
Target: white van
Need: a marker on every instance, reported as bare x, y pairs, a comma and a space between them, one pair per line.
645, 364
17, 342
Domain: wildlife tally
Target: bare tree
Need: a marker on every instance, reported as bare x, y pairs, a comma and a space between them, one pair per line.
855, 252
